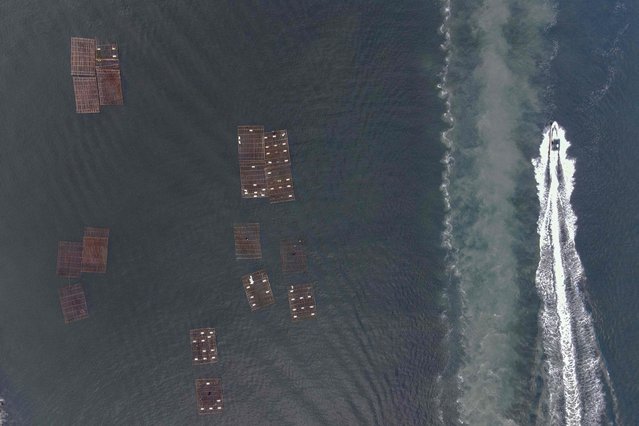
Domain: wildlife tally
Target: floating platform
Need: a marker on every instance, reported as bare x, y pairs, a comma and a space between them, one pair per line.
293, 256
95, 67
69, 262
95, 247
82, 56
203, 346
258, 290
87, 100
208, 394
302, 302
279, 177
73, 303
251, 154
247, 241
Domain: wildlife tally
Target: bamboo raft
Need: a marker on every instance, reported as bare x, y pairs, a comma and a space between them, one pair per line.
279, 177
247, 241
258, 290
95, 248
301, 302
73, 303
203, 346
250, 148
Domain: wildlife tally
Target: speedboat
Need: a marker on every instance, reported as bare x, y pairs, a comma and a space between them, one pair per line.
554, 137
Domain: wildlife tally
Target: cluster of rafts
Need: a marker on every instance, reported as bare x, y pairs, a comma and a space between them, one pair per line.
265, 172
75, 258
95, 70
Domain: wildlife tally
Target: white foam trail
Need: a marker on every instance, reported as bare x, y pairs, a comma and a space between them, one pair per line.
572, 398
3, 414
573, 362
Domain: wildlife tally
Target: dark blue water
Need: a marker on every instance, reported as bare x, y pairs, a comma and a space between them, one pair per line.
354, 84
598, 106
409, 330
514, 67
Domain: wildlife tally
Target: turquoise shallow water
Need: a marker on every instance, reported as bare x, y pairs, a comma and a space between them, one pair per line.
355, 87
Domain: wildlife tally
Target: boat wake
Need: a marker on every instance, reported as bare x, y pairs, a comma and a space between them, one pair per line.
573, 363
3, 414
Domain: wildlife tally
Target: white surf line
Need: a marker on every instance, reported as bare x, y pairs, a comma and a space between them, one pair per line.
572, 397
447, 161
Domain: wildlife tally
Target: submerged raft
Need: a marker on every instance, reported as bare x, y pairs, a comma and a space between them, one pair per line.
73, 303
293, 256
247, 241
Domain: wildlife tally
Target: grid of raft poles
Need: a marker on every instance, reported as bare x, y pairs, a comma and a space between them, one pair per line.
265, 164
265, 172
95, 72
